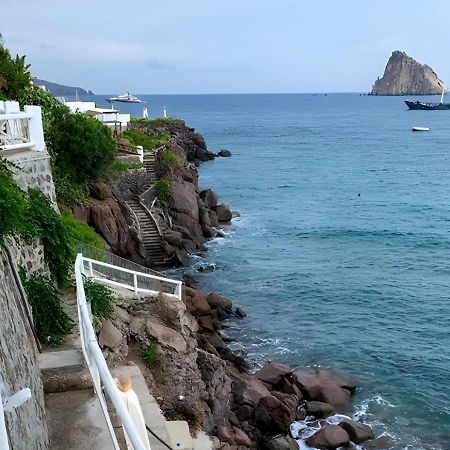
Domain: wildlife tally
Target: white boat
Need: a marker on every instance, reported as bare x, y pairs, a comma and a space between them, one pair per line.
420, 129
127, 98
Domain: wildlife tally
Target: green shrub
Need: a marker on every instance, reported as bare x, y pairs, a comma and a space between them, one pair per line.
148, 142
51, 322
82, 232
122, 166
101, 299
150, 355
158, 120
46, 223
171, 160
162, 188
68, 192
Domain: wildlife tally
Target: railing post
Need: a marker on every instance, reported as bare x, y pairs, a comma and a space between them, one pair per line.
35, 127
4, 444
91, 270
135, 283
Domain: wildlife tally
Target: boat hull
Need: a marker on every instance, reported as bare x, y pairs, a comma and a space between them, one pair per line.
121, 100
427, 106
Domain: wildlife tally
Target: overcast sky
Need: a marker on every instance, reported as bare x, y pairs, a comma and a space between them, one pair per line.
224, 46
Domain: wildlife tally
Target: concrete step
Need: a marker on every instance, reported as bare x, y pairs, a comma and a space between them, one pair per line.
76, 421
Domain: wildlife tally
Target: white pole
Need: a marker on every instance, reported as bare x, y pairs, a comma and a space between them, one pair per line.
442, 95
165, 112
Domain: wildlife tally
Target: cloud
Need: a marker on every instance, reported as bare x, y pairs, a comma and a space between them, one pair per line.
156, 64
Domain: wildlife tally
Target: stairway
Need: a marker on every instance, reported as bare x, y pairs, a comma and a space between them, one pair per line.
150, 165
149, 234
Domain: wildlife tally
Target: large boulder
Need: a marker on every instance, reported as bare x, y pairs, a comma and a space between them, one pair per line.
380, 443
272, 373
216, 300
329, 437
358, 432
319, 410
109, 336
274, 414
281, 443
195, 302
223, 212
325, 385
166, 336
247, 390
209, 197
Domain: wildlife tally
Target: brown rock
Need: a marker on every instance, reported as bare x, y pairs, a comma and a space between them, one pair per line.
288, 388
166, 336
215, 300
195, 302
272, 373
244, 412
206, 323
247, 390
380, 443
274, 414
232, 418
240, 313
329, 437
282, 443
358, 432
241, 438
213, 218
223, 212
225, 434
109, 336
100, 191
209, 197
319, 410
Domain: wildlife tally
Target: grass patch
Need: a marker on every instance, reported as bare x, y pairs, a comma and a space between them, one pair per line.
149, 355
148, 142
171, 160
101, 299
159, 120
51, 322
82, 232
123, 166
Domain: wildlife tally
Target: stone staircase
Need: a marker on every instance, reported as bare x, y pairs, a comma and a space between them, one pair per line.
150, 165
149, 234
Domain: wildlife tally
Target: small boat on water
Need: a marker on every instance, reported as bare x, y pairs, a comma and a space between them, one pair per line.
428, 106
420, 129
127, 98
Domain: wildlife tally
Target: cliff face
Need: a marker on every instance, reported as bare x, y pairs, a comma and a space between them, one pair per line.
405, 76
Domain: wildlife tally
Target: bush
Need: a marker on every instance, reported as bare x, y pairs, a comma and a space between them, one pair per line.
150, 355
101, 299
148, 142
162, 188
82, 147
158, 120
171, 160
122, 166
68, 192
82, 232
51, 322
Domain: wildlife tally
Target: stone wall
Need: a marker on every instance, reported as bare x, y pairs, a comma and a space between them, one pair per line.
26, 425
35, 172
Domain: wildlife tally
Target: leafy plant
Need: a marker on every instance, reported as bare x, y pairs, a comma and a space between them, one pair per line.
68, 192
149, 355
101, 299
137, 137
51, 322
162, 188
48, 224
158, 120
122, 166
82, 232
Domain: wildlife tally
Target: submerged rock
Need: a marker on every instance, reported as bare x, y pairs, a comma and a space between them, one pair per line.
224, 153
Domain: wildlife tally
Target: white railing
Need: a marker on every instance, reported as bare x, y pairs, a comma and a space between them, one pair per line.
130, 279
98, 368
21, 130
4, 443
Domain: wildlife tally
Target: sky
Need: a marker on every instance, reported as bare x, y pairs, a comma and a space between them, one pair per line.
223, 46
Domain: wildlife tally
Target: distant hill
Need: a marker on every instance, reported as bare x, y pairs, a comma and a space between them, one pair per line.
59, 90
405, 76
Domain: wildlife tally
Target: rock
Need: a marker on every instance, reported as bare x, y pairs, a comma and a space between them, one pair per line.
244, 412
325, 385
241, 438
173, 237
224, 153
223, 212
240, 313
213, 218
272, 373
380, 443
225, 434
329, 437
232, 418
123, 315
216, 300
209, 198
206, 324
319, 410
358, 432
405, 76
288, 388
281, 443
247, 390
166, 336
273, 414
100, 191
109, 336
195, 302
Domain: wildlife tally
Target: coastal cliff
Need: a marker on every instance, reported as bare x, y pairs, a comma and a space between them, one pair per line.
405, 76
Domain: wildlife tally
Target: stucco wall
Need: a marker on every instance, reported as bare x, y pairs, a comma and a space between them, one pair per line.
26, 425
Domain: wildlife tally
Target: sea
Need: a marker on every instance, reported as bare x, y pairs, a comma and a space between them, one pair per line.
341, 253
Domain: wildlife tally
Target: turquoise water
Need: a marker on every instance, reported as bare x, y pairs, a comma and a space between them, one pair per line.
357, 283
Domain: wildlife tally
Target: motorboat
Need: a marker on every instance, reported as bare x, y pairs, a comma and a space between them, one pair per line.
420, 129
126, 98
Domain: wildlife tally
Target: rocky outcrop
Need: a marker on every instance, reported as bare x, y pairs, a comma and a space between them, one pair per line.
405, 76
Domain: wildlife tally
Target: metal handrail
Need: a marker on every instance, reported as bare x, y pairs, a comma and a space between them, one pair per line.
98, 368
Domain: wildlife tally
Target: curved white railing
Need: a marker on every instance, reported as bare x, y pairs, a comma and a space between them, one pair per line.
98, 368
